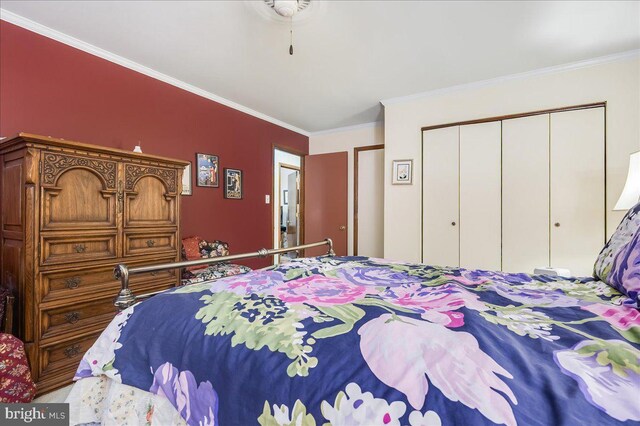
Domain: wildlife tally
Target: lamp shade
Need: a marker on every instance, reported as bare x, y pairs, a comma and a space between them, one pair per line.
631, 192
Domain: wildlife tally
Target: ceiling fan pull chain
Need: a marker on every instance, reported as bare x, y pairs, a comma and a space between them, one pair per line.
291, 38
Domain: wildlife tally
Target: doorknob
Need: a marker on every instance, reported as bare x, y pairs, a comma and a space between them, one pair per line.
342, 228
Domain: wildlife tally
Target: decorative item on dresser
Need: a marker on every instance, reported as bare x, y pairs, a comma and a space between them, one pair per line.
70, 213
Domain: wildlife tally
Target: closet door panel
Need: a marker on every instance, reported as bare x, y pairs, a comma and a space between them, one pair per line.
525, 193
577, 189
440, 239
480, 187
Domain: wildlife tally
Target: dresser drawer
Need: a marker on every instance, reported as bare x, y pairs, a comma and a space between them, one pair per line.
77, 317
85, 283
63, 358
140, 243
56, 249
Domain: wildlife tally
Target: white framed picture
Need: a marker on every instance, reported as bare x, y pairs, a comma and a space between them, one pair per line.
402, 172
186, 180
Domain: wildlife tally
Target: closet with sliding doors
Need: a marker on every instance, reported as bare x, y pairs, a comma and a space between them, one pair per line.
515, 193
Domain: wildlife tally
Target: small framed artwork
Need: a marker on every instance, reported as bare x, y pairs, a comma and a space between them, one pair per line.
207, 170
186, 180
402, 172
233, 184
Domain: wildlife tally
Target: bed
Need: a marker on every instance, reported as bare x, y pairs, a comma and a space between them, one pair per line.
366, 341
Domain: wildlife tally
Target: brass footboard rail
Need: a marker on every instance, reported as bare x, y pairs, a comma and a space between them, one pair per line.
121, 272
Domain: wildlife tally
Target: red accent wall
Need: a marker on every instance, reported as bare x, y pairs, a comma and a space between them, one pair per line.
52, 89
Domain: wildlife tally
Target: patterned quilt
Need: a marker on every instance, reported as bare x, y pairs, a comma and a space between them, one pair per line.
363, 341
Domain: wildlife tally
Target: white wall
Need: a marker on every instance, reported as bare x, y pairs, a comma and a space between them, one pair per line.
346, 140
617, 83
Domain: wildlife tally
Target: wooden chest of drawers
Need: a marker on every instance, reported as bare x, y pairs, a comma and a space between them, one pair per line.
70, 213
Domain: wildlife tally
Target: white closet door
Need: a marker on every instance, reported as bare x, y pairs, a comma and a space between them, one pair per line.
480, 187
525, 193
371, 203
577, 189
440, 220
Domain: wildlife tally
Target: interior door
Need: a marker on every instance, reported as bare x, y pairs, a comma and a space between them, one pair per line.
577, 189
325, 201
440, 212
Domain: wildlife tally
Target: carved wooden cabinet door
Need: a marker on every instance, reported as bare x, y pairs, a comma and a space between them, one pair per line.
151, 195
78, 220
78, 192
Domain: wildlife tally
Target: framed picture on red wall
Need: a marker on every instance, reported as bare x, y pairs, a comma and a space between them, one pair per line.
233, 184
207, 170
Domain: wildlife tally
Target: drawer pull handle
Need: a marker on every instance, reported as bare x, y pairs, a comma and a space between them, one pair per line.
72, 282
72, 351
79, 248
151, 243
154, 273
72, 317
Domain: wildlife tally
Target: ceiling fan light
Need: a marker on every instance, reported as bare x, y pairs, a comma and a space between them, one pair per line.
286, 8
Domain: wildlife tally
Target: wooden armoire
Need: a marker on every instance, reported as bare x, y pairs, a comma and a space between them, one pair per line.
70, 213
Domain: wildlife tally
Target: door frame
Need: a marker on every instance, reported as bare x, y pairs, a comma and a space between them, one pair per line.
302, 155
297, 169
356, 153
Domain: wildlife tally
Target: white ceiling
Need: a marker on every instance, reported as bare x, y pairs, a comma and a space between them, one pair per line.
349, 55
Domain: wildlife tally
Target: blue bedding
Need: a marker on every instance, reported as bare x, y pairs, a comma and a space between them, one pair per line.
363, 341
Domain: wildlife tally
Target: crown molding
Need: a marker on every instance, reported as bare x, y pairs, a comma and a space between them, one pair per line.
35, 27
520, 76
347, 128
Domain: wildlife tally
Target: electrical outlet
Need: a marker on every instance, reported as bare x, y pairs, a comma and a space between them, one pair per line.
267, 199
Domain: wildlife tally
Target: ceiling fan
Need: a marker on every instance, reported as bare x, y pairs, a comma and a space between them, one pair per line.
287, 9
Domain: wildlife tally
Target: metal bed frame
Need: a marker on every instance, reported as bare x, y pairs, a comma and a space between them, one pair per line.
121, 272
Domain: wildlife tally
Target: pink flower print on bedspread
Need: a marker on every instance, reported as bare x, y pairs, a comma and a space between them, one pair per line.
622, 317
435, 304
318, 290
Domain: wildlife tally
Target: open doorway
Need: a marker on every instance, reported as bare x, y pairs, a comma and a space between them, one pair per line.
287, 202
289, 207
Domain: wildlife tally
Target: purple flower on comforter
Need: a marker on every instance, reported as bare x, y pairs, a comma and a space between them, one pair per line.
607, 375
378, 277
625, 271
197, 404
536, 297
478, 275
251, 282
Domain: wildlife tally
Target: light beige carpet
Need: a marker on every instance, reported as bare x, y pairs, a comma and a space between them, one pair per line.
56, 396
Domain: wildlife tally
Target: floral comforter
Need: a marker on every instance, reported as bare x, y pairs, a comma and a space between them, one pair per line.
363, 341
